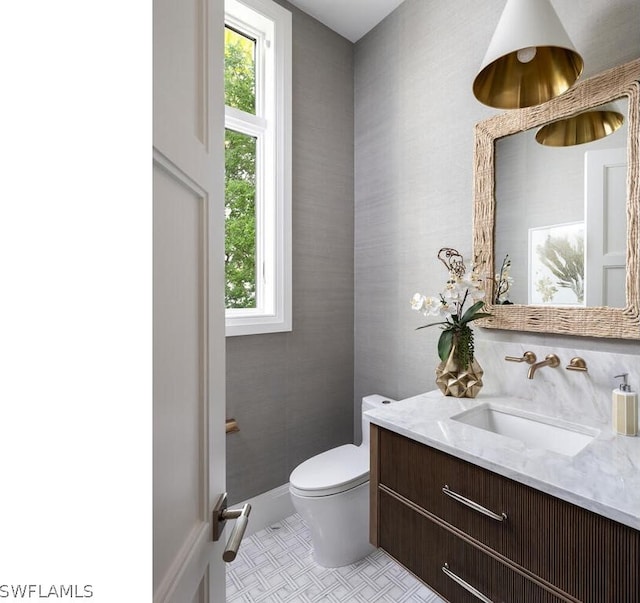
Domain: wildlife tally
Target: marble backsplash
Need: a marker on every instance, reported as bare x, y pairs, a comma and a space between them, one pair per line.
571, 393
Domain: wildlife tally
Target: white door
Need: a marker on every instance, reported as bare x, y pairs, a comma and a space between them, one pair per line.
606, 227
188, 307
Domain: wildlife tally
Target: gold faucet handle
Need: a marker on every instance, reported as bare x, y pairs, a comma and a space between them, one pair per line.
528, 357
577, 364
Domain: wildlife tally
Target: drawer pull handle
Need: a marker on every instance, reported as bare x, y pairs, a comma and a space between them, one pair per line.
474, 505
474, 591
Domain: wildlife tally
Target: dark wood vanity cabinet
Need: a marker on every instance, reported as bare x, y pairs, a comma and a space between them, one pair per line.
542, 549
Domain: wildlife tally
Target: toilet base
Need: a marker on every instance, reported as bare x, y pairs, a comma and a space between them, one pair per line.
339, 525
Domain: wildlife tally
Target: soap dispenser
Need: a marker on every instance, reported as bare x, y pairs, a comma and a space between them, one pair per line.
624, 408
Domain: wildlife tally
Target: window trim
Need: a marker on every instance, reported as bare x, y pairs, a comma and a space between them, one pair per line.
273, 228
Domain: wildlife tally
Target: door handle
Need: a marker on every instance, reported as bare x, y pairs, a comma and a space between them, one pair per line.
220, 515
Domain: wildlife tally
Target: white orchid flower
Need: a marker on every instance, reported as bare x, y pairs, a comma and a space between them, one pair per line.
417, 302
432, 306
428, 306
454, 292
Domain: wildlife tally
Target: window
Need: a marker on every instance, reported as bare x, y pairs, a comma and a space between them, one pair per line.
258, 167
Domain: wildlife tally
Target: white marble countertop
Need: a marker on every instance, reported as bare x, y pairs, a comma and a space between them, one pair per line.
603, 477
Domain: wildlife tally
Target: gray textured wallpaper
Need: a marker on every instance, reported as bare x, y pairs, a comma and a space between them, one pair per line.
292, 393
412, 123
414, 120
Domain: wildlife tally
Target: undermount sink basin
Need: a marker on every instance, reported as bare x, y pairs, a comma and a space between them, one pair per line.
533, 430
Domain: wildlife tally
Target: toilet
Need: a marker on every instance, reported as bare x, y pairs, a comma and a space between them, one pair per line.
330, 491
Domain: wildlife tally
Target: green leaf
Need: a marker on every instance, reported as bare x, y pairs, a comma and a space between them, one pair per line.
444, 344
469, 314
432, 324
480, 315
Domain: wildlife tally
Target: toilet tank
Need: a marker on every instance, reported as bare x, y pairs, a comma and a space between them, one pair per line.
369, 403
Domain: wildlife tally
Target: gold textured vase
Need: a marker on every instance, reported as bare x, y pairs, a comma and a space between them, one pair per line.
457, 382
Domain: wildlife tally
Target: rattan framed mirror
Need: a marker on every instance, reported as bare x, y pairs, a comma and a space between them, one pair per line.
621, 82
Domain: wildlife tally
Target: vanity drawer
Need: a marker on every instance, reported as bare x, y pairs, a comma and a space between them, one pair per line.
588, 556
424, 548
419, 473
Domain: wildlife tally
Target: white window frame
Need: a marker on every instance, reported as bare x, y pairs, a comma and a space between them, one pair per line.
270, 25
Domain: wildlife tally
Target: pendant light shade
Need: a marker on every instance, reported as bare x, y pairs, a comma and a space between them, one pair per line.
584, 127
530, 58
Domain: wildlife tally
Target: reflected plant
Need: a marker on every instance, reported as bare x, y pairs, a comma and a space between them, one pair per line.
565, 260
546, 289
503, 283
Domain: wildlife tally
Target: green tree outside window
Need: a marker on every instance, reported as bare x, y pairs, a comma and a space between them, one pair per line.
240, 176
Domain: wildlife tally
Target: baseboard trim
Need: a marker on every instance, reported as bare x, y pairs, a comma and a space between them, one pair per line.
269, 508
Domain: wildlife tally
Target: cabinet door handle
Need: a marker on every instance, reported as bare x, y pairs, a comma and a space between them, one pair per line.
473, 505
474, 591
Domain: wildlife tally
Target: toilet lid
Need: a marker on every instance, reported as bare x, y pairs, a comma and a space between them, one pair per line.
330, 472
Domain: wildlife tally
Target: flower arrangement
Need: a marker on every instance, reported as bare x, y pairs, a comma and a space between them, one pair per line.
461, 288
503, 283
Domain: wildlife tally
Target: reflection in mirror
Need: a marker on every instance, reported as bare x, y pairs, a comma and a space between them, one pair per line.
585, 127
564, 232
534, 212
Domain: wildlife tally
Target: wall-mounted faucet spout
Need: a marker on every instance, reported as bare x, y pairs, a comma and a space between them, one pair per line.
550, 360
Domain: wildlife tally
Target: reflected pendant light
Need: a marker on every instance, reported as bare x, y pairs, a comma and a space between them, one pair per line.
582, 128
530, 58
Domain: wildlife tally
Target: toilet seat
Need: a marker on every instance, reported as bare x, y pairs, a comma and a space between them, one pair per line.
331, 472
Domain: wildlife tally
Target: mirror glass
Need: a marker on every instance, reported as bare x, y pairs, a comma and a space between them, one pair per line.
560, 219
574, 253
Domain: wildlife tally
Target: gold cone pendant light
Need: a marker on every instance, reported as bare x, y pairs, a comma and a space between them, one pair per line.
584, 127
530, 58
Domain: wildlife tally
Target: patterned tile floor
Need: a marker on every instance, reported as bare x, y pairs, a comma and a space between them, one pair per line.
275, 565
